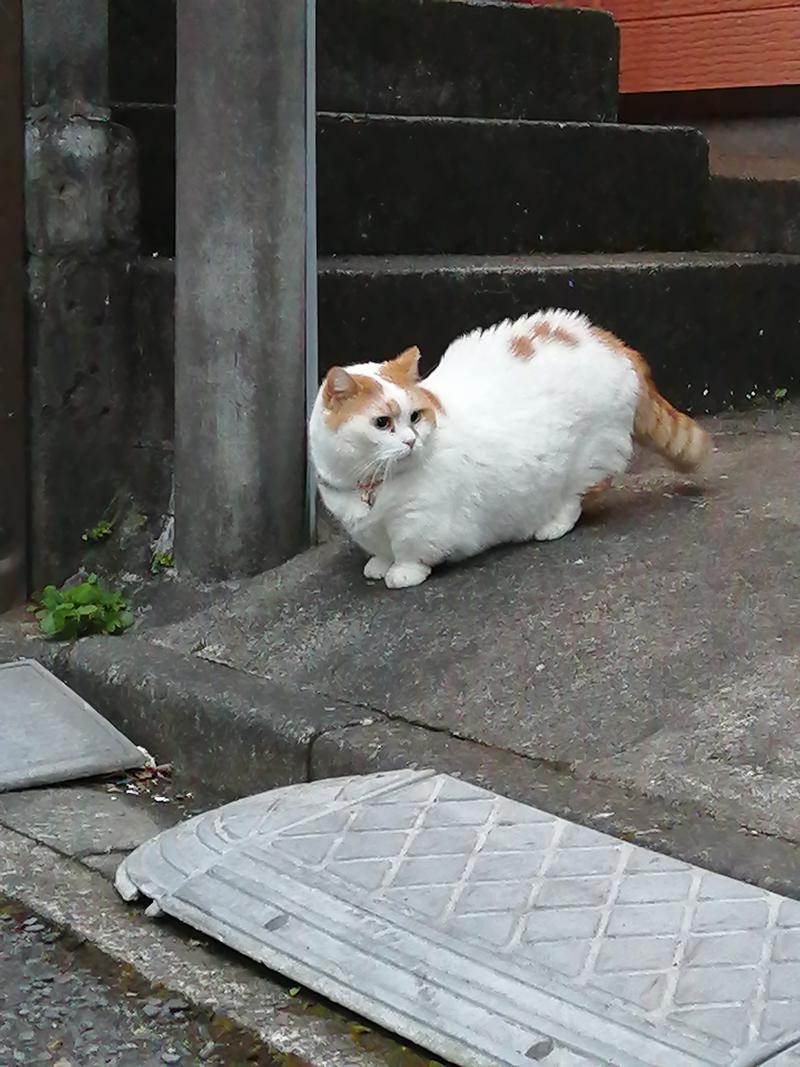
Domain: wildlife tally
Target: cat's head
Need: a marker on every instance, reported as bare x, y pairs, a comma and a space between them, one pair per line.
377, 415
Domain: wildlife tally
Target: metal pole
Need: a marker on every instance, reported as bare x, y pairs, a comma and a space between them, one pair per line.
312, 348
13, 407
242, 285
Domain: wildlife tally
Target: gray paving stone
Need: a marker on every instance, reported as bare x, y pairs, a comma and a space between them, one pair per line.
489, 934
105, 864
81, 821
50, 734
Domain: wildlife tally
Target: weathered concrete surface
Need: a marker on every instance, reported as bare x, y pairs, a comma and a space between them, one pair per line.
234, 735
13, 414
656, 646
81, 201
81, 195
66, 51
80, 363
753, 215
83, 821
228, 731
555, 186
415, 57
493, 60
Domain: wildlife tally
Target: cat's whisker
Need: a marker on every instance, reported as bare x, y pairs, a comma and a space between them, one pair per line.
367, 470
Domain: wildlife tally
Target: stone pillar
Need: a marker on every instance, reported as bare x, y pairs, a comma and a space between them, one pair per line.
13, 433
240, 285
81, 205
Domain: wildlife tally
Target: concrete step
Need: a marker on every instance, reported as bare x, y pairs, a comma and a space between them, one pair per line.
425, 185
423, 57
755, 215
432, 57
389, 184
720, 330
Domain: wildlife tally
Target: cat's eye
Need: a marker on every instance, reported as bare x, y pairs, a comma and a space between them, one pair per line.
416, 416
383, 422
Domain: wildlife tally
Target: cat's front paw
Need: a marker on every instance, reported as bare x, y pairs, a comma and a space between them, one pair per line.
404, 575
376, 568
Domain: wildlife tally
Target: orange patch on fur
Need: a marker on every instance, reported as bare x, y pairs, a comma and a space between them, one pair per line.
402, 370
565, 337
432, 399
523, 346
346, 395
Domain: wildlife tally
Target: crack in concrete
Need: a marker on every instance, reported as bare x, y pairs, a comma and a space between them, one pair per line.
539, 762
556, 767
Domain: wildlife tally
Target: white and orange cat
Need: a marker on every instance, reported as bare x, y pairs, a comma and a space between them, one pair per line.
500, 443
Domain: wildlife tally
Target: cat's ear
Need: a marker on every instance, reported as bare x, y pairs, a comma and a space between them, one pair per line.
339, 385
406, 365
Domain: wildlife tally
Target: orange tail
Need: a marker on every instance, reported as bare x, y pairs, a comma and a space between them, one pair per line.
657, 424
674, 435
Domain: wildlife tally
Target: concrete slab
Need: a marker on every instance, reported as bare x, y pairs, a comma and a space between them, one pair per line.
654, 647
489, 931
81, 821
50, 734
105, 864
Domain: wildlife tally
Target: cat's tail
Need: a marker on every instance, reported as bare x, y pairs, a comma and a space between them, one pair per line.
658, 425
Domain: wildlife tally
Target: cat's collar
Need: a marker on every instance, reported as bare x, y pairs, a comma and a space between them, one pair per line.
367, 489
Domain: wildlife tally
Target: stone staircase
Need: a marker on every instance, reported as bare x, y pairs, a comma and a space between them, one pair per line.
420, 215
470, 168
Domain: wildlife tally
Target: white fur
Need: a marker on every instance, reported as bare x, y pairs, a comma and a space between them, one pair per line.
517, 444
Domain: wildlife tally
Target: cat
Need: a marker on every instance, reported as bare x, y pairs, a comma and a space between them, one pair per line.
500, 443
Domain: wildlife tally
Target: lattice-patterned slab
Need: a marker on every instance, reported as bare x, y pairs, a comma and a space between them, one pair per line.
488, 931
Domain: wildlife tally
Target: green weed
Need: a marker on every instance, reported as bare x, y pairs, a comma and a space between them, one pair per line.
86, 608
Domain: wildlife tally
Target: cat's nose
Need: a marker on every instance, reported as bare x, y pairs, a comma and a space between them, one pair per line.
409, 442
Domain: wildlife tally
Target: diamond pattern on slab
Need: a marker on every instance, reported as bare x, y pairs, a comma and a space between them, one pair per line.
636, 953
675, 942
729, 1023
645, 990
523, 892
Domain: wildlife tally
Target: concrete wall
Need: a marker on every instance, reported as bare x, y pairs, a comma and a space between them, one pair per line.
81, 211
100, 130
13, 435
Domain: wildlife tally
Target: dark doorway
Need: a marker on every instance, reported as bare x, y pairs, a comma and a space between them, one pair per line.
13, 419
